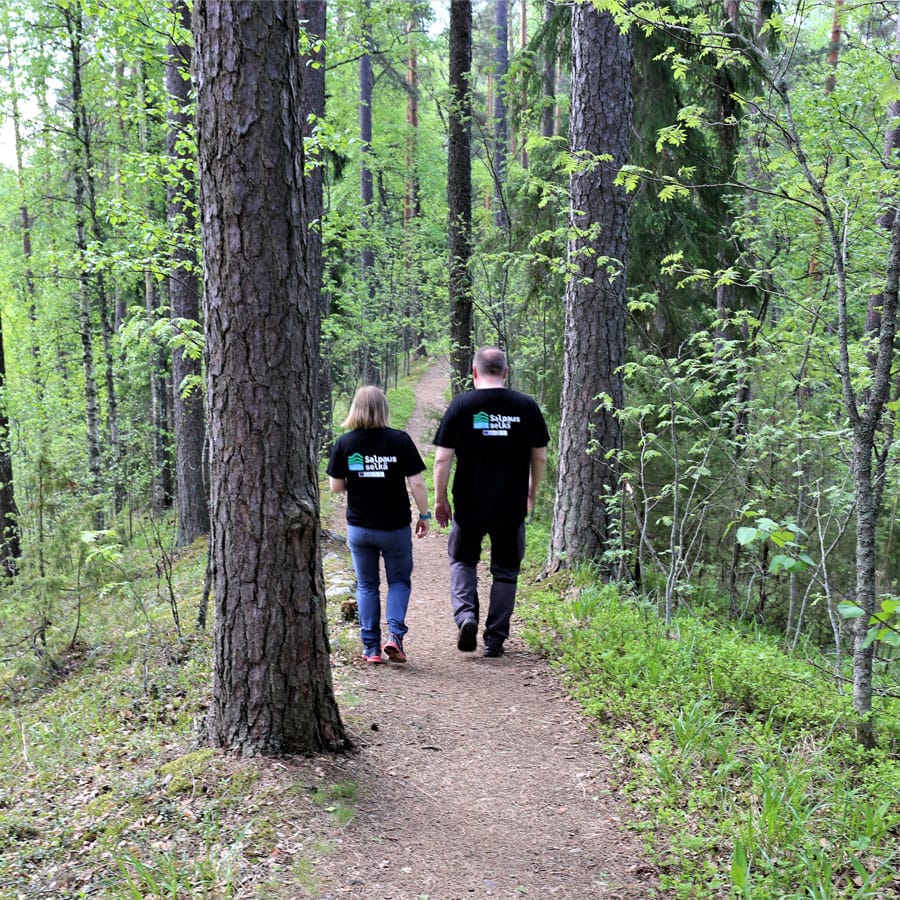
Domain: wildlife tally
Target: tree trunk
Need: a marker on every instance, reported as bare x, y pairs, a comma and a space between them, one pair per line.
411, 192
272, 688
886, 219
459, 194
868, 474
191, 487
161, 483
368, 363
10, 536
414, 330
92, 417
594, 342
523, 43
10, 549
501, 131
312, 102
96, 285
548, 87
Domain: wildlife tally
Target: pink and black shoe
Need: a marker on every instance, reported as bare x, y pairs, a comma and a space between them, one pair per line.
373, 655
393, 647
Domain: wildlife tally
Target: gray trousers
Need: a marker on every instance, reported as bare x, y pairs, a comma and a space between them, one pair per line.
507, 552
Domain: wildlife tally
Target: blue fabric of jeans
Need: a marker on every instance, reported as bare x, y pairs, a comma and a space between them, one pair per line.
368, 546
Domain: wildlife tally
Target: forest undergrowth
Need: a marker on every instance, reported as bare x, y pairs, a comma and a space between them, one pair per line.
742, 757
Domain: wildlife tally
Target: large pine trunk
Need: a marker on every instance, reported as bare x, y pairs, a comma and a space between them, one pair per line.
272, 688
191, 488
594, 342
459, 194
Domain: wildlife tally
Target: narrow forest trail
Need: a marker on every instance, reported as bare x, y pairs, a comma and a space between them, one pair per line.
479, 777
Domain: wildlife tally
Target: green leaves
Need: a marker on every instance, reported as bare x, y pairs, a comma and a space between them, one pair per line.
884, 624
784, 536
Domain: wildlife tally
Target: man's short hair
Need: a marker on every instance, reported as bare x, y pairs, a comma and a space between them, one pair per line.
490, 361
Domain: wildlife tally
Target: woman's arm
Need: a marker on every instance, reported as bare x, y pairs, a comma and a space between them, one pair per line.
420, 495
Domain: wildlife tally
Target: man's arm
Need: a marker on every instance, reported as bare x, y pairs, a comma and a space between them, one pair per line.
538, 466
337, 485
443, 459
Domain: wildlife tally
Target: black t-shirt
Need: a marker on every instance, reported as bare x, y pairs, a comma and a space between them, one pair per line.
376, 463
492, 431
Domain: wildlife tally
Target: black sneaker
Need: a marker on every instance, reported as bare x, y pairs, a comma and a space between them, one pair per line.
468, 635
493, 652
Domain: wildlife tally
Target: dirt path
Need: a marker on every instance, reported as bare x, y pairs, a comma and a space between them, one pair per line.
480, 779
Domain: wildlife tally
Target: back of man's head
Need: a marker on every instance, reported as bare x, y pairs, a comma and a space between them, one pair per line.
490, 361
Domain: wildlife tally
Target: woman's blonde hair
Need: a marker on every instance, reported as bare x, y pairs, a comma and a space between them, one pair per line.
369, 409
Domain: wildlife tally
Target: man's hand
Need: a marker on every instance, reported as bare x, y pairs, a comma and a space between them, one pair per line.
442, 513
422, 526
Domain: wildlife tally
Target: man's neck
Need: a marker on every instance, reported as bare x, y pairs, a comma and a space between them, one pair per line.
489, 381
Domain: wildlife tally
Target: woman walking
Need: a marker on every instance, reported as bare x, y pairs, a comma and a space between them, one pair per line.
373, 463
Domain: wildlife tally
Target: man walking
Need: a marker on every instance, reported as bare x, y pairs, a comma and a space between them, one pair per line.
499, 438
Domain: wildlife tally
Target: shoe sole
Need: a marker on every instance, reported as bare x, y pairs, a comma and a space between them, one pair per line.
395, 654
468, 636
374, 660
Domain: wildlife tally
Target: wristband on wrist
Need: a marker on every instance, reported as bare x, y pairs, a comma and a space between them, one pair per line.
425, 515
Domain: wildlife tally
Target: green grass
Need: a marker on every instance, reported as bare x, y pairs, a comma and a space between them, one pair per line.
105, 793
743, 757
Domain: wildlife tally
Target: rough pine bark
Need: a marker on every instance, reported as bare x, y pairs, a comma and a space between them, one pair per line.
459, 194
594, 342
272, 687
191, 487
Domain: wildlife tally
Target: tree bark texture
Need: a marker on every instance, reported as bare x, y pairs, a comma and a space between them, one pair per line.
459, 194
191, 483
594, 341
272, 689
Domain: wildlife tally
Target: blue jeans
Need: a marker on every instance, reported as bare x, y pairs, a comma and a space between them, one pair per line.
367, 547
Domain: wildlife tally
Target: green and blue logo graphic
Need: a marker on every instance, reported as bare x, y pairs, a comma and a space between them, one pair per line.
481, 420
355, 462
